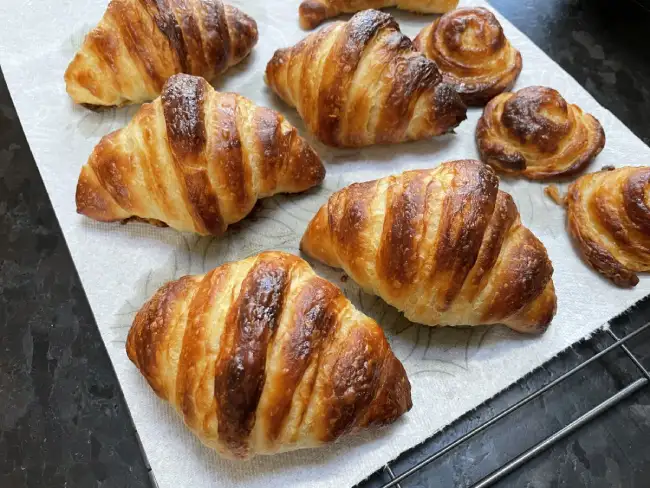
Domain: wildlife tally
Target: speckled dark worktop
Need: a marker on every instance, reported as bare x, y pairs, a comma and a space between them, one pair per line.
63, 421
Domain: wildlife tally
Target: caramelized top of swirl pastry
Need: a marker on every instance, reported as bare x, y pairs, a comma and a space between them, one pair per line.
608, 216
535, 133
474, 55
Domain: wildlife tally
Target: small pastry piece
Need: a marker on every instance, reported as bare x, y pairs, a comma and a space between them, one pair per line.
535, 133
313, 12
196, 160
444, 246
608, 216
469, 47
139, 44
361, 82
262, 356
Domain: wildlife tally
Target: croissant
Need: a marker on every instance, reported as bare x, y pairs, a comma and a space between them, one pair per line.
262, 356
139, 44
471, 50
443, 245
535, 133
196, 160
361, 82
608, 216
314, 12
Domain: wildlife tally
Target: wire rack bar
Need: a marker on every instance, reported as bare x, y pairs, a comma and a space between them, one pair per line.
613, 400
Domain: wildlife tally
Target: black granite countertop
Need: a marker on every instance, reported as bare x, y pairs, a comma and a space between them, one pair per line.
63, 420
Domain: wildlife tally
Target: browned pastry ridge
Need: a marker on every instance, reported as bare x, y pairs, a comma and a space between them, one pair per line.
535, 133
361, 82
474, 55
608, 216
196, 160
445, 246
139, 44
262, 356
314, 12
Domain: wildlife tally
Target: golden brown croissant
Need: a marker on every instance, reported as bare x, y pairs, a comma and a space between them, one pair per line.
262, 356
313, 12
608, 216
444, 246
471, 50
535, 133
196, 160
139, 44
361, 82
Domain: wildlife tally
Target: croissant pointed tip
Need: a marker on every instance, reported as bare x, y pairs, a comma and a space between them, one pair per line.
244, 33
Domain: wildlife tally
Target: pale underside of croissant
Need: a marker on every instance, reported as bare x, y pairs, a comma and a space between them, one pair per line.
535, 133
262, 356
444, 246
608, 217
313, 12
471, 50
361, 82
196, 160
139, 44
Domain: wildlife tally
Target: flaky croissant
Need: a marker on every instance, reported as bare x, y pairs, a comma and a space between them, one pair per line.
535, 133
608, 216
361, 82
471, 50
196, 160
139, 44
313, 12
444, 246
262, 356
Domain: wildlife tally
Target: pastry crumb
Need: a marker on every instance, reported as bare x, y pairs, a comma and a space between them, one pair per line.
344, 278
553, 192
608, 167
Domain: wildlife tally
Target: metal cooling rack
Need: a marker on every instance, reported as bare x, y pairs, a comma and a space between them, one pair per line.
552, 439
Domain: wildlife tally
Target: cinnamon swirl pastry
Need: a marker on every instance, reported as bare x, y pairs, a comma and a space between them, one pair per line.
608, 215
535, 133
471, 50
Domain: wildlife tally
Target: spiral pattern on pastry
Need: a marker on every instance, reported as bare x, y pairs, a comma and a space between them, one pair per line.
444, 245
608, 215
471, 50
361, 82
535, 133
262, 356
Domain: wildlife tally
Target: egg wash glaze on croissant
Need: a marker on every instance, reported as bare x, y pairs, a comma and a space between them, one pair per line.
361, 82
262, 356
196, 160
445, 246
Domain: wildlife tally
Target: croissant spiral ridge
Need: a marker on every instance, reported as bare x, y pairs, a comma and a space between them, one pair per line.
473, 53
262, 356
608, 216
361, 82
139, 44
535, 133
314, 12
196, 160
444, 246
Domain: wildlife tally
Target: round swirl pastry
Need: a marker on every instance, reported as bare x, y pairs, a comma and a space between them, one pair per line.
608, 216
474, 55
535, 133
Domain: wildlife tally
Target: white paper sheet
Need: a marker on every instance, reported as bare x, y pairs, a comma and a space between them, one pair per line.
452, 371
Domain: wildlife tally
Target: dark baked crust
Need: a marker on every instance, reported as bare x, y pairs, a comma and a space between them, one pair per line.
263, 356
195, 159
361, 82
535, 133
471, 50
445, 246
608, 217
